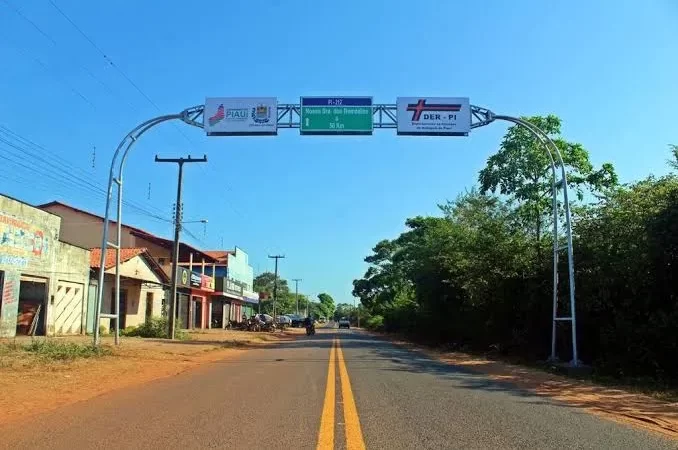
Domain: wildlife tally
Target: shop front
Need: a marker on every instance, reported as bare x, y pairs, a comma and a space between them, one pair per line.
43, 281
235, 303
200, 306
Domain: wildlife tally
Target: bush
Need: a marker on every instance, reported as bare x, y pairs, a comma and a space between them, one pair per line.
156, 327
64, 351
375, 323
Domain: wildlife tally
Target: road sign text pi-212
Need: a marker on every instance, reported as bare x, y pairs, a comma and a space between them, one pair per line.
336, 115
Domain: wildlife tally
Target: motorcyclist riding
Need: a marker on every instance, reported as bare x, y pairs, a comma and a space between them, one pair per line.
310, 325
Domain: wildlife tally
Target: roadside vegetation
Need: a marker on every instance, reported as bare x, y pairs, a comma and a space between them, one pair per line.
155, 328
47, 350
287, 299
479, 275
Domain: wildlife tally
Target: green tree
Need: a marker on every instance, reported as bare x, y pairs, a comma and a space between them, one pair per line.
326, 304
264, 283
673, 162
521, 170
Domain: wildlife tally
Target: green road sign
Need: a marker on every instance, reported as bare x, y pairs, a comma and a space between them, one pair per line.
336, 115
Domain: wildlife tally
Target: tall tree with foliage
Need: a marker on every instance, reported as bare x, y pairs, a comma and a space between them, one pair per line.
326, 304
521, 170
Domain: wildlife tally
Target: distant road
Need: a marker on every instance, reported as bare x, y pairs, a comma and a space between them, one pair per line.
337, 389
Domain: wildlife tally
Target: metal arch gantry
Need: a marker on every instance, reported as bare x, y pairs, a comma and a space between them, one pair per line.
384, 116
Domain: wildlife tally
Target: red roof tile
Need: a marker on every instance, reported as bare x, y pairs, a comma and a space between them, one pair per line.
125, 255
219, 255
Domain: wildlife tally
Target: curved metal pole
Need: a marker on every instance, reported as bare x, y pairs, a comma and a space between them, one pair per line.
570, 251
554, 205
543, 137
130, 138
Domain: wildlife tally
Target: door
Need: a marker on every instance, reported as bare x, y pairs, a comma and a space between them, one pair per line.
68, 307
32, 303
149, 306
123, 308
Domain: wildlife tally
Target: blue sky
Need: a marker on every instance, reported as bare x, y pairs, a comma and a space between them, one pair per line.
607, 68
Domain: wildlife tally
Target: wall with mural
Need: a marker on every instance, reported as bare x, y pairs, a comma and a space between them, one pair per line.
27, 236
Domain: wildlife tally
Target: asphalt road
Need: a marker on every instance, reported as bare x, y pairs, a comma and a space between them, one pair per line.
337, 389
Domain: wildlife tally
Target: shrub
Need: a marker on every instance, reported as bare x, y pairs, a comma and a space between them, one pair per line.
156, 327
64, 351
375, 323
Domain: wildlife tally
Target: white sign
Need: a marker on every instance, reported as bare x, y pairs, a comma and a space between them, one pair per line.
240, 116
449, 116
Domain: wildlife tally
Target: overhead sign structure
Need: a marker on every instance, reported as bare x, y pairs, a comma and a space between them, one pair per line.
241, 116
336, 115
433, 116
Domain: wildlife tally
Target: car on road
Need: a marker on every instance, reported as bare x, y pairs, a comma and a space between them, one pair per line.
296, 320
285, 321
344, 323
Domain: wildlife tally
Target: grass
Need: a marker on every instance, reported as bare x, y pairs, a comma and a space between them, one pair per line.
64, 351
50, 350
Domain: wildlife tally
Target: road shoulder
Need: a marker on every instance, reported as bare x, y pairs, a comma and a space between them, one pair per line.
31, 386
618, 405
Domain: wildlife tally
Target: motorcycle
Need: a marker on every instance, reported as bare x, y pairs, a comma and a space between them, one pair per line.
310, 330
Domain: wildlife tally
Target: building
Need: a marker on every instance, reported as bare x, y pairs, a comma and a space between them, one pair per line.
83, 228
143, 284
44, 280
234, 277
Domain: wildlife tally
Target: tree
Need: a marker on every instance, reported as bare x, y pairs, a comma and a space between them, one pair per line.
343, 310
264, 282
521, 170
673, 162
326, 304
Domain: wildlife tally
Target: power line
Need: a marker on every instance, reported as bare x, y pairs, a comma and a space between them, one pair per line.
20, 14
62, 176
118, 69
66, 166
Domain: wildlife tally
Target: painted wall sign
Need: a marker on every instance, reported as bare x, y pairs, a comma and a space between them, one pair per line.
11, 281
195, 280
183, 277
207, 283
21, 242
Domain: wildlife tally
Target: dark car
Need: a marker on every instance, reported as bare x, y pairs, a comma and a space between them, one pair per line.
344, 323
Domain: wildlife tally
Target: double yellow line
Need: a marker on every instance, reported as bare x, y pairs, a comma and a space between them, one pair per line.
354, 434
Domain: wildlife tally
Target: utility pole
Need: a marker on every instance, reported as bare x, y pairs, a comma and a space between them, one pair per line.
177, 232
275, 281
296, 291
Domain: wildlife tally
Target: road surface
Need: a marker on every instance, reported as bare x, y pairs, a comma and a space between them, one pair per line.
337, 389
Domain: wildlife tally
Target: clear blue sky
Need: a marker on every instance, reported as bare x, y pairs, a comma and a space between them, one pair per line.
607, 68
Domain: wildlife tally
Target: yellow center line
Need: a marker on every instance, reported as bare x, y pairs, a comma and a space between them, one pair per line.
326, 432
354, 434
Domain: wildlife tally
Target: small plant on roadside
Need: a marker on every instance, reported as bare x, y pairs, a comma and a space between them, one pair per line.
156, 327
64, 351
